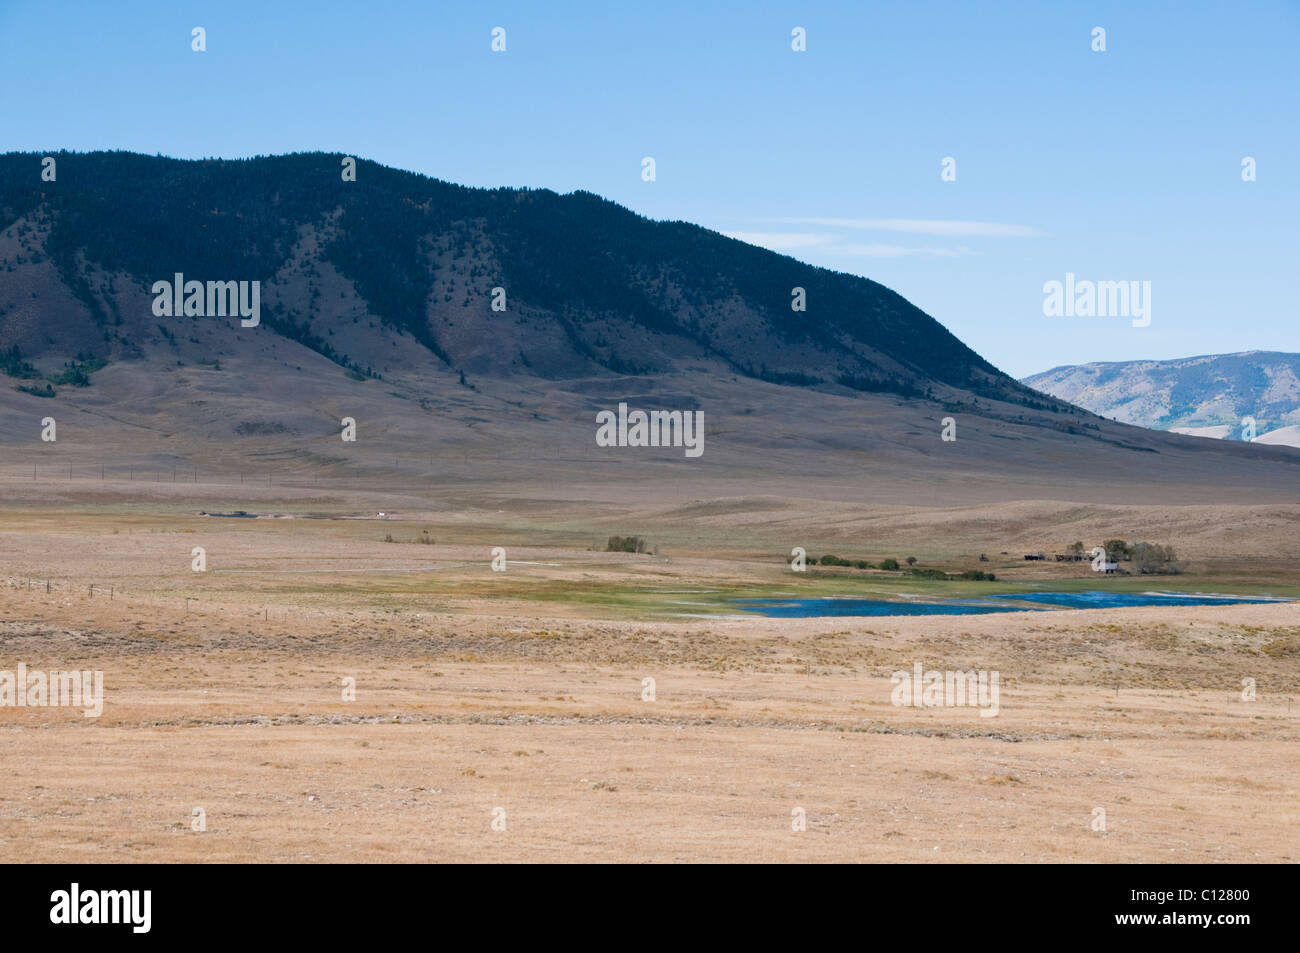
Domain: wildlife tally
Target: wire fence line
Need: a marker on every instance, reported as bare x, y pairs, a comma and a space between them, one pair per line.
63, 588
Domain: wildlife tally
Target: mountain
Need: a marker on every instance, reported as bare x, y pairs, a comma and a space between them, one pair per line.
1204, 396
590, 288
468, 331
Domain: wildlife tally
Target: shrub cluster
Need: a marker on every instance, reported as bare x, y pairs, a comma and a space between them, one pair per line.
626, 544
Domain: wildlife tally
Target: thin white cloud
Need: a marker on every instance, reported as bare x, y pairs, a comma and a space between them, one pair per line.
780, 241
826, 245
921, 226
879, 250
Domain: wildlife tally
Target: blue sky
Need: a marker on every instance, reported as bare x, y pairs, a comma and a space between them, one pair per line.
1122, 165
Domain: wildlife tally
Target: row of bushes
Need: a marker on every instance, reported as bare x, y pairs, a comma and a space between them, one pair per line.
1146, 557
626, 544
889, 564
975, 575
1153, 558
852, 563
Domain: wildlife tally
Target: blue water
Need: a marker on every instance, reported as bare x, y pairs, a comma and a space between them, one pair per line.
809, 608
1037, 601
1124, 600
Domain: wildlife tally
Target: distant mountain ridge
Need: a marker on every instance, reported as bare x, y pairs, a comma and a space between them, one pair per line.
1207, 395
377, 308
590, 288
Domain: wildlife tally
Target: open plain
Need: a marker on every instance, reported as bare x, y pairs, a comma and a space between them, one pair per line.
503, 715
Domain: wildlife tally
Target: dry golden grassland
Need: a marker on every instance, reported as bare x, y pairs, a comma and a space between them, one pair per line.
523, 690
